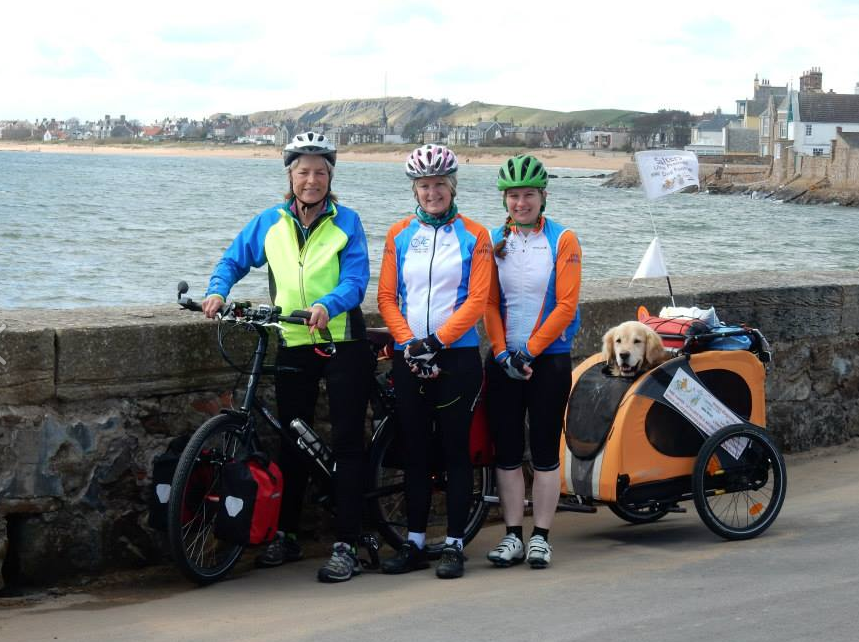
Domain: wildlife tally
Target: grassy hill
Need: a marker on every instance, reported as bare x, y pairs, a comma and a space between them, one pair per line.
402, 110
475, 111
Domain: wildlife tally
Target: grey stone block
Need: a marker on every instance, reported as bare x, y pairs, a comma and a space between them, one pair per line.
26, 364
140, 354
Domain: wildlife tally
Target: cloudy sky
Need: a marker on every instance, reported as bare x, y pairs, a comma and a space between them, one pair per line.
184, 58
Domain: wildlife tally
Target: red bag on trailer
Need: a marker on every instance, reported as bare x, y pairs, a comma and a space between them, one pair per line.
249, 506
675, 331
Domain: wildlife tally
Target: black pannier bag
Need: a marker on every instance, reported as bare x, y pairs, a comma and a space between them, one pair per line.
163, 467
249, 504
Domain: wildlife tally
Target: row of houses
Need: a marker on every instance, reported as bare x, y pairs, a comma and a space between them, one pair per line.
237, 129
71, 129
805, 120
123, 129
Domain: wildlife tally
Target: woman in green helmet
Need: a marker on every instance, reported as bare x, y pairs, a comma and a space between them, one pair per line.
531, 319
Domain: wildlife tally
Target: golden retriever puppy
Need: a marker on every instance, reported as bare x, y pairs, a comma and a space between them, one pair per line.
631, 348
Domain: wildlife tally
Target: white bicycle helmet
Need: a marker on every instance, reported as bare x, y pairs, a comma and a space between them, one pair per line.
309, 143
431, 160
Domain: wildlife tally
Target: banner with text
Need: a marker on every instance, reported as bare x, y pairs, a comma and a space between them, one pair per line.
665, 171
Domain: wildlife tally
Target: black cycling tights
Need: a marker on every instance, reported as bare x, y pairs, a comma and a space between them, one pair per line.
348, 379
544, 396
446, 403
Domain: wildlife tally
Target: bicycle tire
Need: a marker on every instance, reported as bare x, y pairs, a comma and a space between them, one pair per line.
193, 504
739, 498
645, 515
387, 501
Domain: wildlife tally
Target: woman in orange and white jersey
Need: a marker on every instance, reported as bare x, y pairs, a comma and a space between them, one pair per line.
531, 318
433, 286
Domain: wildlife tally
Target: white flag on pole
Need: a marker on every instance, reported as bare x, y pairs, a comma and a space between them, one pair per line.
653, 263
664, 171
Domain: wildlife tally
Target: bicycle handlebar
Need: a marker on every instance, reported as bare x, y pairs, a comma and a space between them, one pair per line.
263, 315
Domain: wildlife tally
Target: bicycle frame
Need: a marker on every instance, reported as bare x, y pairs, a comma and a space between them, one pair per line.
307, 440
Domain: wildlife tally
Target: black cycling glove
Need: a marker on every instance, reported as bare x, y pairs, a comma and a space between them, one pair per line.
514, 364
421, 354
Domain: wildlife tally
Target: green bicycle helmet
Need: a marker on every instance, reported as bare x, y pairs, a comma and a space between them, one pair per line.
522, 171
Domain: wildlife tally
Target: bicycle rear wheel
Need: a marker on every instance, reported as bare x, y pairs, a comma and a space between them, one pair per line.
739, 482
194, 497
387, 498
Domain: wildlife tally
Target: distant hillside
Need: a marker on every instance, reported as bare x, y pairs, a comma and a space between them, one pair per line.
360, 111
475, 111
403, 110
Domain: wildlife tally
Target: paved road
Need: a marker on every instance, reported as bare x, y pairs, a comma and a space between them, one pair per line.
672, 580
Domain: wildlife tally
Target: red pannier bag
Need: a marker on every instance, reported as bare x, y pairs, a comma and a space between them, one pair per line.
249, 505
674, 331
480, 444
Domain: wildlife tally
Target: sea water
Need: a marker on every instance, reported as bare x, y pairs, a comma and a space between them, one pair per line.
83, 230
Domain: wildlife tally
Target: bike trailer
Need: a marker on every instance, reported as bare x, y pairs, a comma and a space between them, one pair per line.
632, 441
249, 500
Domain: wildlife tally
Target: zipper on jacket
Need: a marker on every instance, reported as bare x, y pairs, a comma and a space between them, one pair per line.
429, 279
302, 253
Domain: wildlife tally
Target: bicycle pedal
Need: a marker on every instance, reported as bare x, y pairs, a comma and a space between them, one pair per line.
372, 545
674, 508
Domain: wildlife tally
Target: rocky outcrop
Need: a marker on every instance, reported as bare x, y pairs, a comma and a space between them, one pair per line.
368, 111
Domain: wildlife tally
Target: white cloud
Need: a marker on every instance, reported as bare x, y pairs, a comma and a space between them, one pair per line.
198, 58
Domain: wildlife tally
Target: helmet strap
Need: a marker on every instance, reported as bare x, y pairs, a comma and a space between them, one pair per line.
302, 207
304, 204
542, 202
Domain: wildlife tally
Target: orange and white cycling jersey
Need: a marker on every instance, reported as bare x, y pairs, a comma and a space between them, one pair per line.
435, 280
534, 294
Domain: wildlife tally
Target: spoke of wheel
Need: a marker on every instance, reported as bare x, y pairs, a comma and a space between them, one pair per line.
196, 546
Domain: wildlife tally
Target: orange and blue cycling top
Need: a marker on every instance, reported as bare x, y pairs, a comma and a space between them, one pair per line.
328, 265
534, 294
435, 280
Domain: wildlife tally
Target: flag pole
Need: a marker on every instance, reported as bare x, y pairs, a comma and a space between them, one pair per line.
656, 235
670, 291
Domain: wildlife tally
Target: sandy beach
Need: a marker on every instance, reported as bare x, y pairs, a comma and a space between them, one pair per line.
574, 158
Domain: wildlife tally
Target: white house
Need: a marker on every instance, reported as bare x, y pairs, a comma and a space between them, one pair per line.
709, 136
261, 135
813, 118
603, 139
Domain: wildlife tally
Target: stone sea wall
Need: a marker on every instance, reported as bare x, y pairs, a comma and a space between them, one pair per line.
89, 397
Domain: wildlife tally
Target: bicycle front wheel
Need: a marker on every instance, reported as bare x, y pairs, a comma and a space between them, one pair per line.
387, 497
739, 482
194, 498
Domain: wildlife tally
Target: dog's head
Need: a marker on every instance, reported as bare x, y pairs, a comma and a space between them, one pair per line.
631, 348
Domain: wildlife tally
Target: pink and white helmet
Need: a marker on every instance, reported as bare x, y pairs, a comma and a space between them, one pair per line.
431, 160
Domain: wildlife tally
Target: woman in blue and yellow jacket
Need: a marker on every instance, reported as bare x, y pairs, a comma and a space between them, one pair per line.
317, 259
